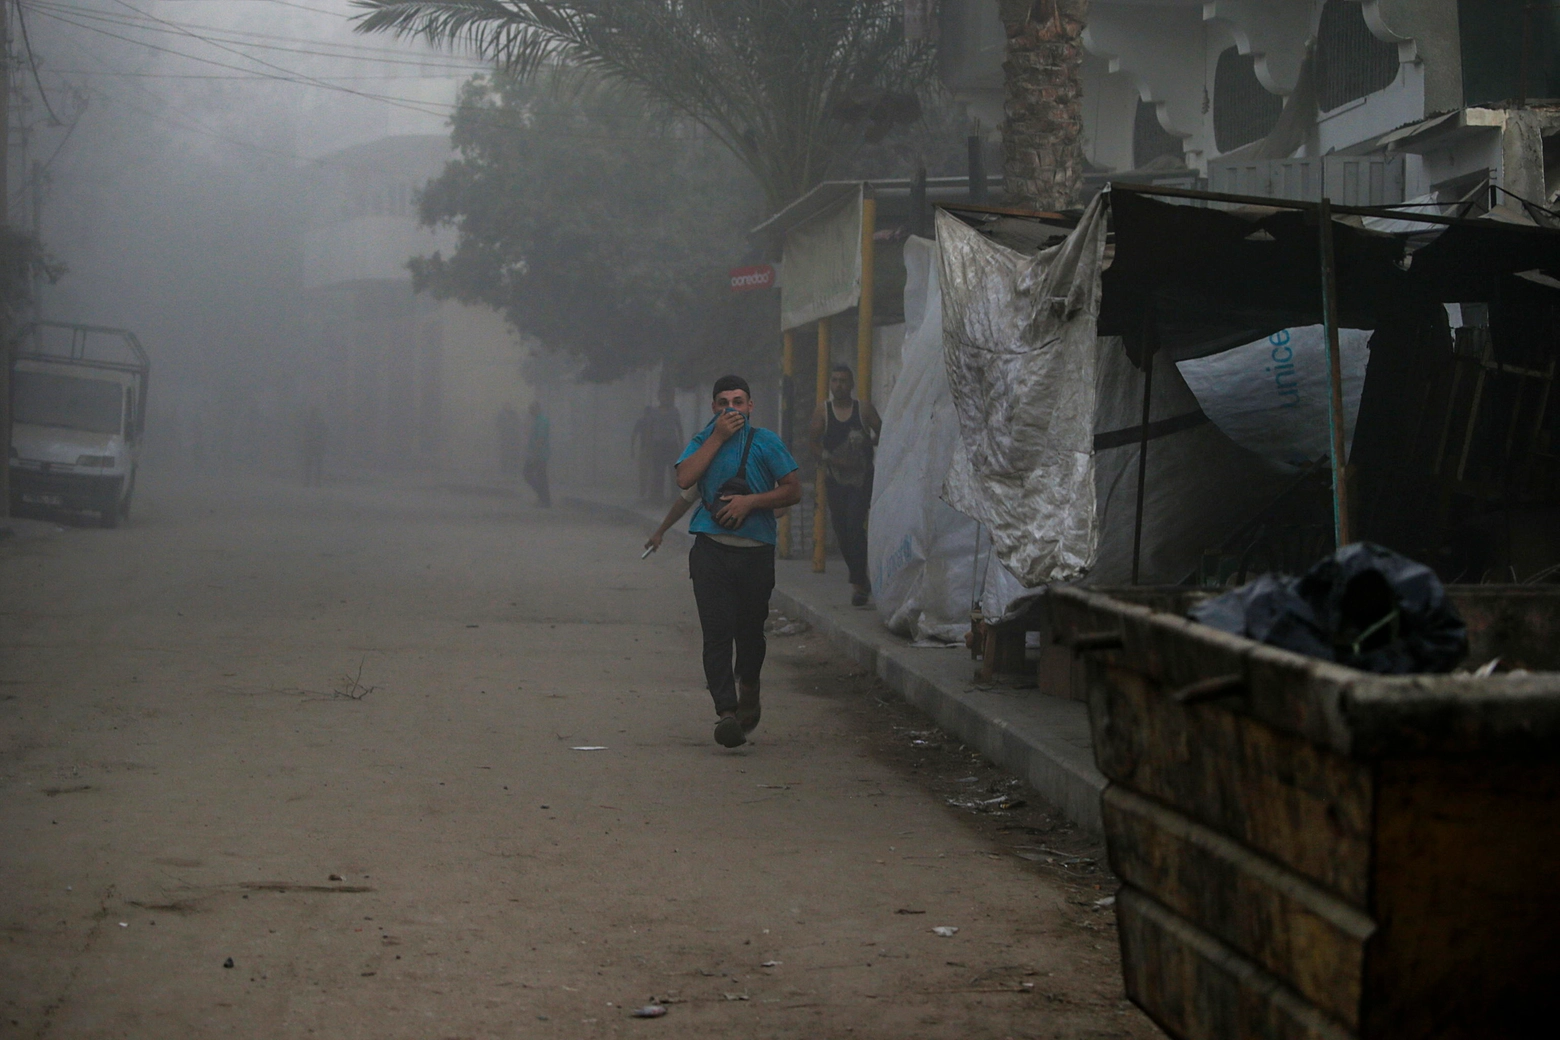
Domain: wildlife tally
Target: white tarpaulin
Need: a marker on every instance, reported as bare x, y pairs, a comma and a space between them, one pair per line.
1272, 396
1204, 478
1019, 345
822, 262
919, 550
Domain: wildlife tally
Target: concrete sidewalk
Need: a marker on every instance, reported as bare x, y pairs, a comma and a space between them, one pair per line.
1042, 738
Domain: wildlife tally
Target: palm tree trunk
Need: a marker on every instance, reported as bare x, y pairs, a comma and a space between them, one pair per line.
1042, 140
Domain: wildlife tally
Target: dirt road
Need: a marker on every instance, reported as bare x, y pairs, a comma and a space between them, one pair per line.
385, 762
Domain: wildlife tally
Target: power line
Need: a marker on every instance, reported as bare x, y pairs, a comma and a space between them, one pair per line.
284, 75
392, 55
279, 3
32, 63
191, 124
247, 77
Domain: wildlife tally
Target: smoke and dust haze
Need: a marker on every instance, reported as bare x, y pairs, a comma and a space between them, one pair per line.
234, 181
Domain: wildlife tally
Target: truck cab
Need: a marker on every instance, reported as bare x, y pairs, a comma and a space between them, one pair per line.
78, 411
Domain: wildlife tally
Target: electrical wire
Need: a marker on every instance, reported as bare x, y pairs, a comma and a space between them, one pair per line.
190, 123
32, 63
283, 75
152, 24
247, 77
279, 74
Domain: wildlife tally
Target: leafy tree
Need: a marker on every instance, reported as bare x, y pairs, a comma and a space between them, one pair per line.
593, 225
23, 260
787, 86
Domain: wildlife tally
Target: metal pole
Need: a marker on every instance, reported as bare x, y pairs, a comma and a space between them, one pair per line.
1149, 347
821, 493
976, 145
918, 204
864, 309
36, 178
1339, 454
5, 218
787, 371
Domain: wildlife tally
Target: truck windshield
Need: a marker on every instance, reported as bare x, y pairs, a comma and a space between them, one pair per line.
45, 399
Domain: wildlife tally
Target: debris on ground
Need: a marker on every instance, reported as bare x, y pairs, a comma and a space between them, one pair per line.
650, 1011
1038, 834
350, 687
947, 931
780, 625
1001, 803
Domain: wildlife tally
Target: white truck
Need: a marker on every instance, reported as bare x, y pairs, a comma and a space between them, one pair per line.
78, 412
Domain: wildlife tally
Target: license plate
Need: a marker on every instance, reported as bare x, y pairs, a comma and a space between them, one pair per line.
43, 500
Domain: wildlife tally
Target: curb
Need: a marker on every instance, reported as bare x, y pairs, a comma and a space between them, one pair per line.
1042, 738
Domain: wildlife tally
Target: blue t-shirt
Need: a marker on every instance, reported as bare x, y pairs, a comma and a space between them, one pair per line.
768, 461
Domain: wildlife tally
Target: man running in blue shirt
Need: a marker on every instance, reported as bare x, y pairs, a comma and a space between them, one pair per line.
732, 562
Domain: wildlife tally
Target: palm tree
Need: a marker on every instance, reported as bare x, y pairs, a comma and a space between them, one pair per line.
783, 84
1042, 140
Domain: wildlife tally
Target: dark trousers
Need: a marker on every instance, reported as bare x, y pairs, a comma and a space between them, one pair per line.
848, 505
731, 586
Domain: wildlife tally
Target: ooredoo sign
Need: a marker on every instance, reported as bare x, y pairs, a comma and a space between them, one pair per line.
746, 279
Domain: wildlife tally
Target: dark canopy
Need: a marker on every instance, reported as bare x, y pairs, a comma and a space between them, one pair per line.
1214, 279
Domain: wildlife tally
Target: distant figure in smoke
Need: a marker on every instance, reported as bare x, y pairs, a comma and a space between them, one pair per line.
638, 446
657, 438
742, 475
538, 447
510, 437
844, 433
312, 447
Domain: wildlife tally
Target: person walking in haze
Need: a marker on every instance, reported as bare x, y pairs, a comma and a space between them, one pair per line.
639, 447
538, 447
743, 474
312, 447
664, 438
844, 434
509, 440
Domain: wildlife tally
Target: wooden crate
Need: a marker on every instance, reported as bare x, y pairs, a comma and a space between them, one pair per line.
1311, 851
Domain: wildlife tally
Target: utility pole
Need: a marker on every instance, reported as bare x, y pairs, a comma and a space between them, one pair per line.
35, 182
5, 220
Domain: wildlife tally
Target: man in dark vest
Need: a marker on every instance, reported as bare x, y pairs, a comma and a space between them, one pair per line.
844, 434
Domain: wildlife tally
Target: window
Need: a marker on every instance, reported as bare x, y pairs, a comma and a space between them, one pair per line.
1243, 110
1350, 62
1151, 141
70, 402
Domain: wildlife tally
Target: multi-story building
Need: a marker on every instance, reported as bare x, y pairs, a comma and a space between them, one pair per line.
402, 379
1380, 101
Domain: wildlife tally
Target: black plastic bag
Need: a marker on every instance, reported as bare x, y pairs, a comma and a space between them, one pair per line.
1363, 606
